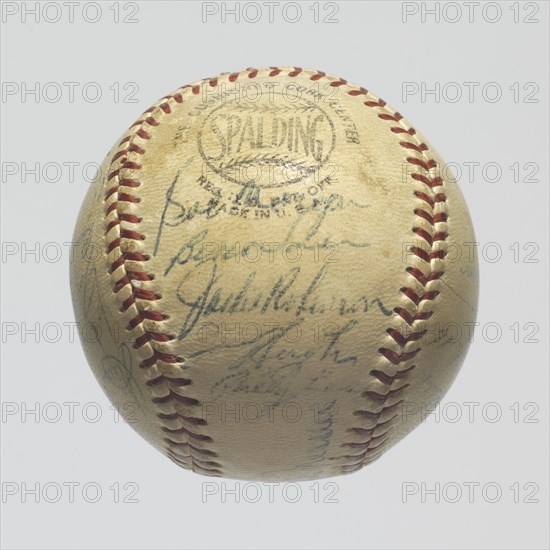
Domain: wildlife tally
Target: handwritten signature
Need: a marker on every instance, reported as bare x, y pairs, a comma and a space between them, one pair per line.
281, 296
309, 219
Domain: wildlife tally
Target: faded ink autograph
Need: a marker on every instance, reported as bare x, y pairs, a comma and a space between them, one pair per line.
309, 216
266, 362
281, 296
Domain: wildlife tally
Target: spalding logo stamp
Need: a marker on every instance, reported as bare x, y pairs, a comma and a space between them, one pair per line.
266, 143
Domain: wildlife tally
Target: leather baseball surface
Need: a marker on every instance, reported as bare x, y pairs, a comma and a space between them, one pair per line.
262, 276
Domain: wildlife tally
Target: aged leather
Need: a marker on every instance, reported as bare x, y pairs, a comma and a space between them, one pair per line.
262, 276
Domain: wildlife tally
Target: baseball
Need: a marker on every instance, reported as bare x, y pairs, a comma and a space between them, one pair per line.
265, 272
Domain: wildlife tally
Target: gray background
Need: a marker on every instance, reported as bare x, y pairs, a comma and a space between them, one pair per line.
370, 45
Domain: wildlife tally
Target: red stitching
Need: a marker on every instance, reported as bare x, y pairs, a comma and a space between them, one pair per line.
338, 83
142, 316
185, 445
128, 256
387, 379
173, 396
360, 91
421, 278
409, 318
177, 416
378, 103
163, 378
381, 397
415, 298
160, 356
423, 234
125, 197
149, 336
396, 358
131, 276
399, 130
317, 76
375, 415
401, 356
197, 464
419, 162
369, 431
189, 433
408, 145
403, 340
143, 134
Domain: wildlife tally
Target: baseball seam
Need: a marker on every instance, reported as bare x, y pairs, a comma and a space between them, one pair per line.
184, 440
